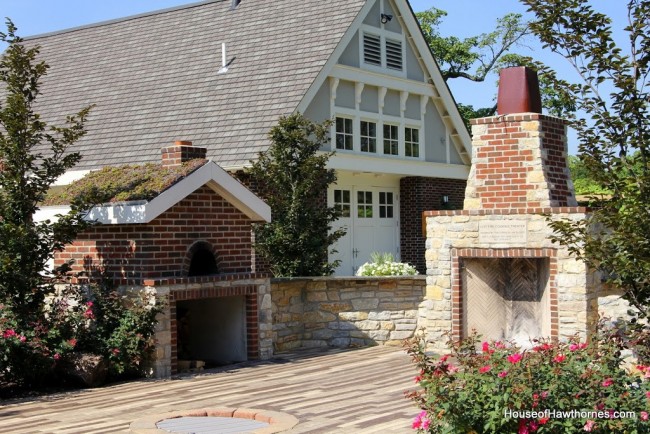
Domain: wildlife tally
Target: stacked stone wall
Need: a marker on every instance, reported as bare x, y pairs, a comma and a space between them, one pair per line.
344, 312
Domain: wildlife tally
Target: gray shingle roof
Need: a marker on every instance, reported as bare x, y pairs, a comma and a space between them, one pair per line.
153, 78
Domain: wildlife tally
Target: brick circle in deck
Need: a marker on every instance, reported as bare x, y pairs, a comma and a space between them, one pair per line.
274, 422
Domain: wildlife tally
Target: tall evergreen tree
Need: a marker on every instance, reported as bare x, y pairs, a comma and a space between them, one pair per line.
293, 178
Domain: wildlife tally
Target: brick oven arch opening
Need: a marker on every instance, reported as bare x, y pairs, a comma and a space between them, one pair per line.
201, 260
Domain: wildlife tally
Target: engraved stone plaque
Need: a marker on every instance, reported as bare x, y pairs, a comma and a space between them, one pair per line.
502, 232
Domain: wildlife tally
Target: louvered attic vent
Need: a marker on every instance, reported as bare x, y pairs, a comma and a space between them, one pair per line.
394, 54
372, 49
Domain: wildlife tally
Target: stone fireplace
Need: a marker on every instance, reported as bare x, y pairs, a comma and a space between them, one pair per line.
491, 266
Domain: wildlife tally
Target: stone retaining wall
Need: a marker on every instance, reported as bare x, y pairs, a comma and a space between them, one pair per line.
344, 312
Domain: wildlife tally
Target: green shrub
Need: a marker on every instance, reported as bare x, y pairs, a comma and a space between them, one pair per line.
496, 387
94, 320
383, 264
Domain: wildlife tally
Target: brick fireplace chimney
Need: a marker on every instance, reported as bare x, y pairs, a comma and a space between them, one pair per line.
519, 158
180, 152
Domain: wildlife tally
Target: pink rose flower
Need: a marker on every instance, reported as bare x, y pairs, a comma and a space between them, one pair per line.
515, 358
589, 426
647, 395
57, 356
644, 415
419, 420
502, 374
22, 338
559, 358
452, 369
9, 333
72, 342
485, 369
608, 382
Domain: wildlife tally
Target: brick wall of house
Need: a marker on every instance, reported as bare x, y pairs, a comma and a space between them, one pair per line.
132, 252
519, 161
419, 194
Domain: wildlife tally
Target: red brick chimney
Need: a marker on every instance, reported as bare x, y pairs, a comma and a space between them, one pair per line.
519, 158
181, 152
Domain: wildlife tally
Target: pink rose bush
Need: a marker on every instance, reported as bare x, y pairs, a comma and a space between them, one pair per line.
98, 321
474, 387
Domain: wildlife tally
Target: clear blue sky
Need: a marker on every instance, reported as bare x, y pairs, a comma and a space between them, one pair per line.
465, 18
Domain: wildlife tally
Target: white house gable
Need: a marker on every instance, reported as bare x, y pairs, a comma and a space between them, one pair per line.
392, 117
387, 113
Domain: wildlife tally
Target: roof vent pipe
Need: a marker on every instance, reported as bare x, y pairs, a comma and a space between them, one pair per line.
234, 4
224, 64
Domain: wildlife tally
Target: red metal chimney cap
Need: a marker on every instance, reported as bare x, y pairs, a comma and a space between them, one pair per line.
518, 91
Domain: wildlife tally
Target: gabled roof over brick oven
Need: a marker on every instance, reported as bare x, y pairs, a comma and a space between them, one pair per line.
154, 77
146, 210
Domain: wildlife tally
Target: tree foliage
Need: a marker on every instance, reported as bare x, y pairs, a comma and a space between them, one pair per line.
614, 136
292, 177
25, 245
474, 58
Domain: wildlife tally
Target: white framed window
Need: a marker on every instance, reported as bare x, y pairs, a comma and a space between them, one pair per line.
412, 142
342, 202
364, 204
368, 136
386, 205
344, 134
391, 139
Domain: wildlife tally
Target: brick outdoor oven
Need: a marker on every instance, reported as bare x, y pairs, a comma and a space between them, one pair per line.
191, 244
491, 266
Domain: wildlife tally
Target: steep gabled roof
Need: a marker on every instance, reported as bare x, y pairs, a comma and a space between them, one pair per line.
153, 77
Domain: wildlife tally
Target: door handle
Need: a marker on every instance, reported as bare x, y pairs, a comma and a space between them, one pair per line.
355, 252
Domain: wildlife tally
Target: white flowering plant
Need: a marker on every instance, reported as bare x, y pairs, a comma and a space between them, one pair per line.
384, 264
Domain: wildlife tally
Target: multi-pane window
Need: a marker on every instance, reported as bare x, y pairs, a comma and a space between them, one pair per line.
386, 205
412, 142
368, 136
344, 134
364, 204
391, 139
342, 202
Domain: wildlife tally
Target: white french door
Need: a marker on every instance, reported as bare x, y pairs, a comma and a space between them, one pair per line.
371, 218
